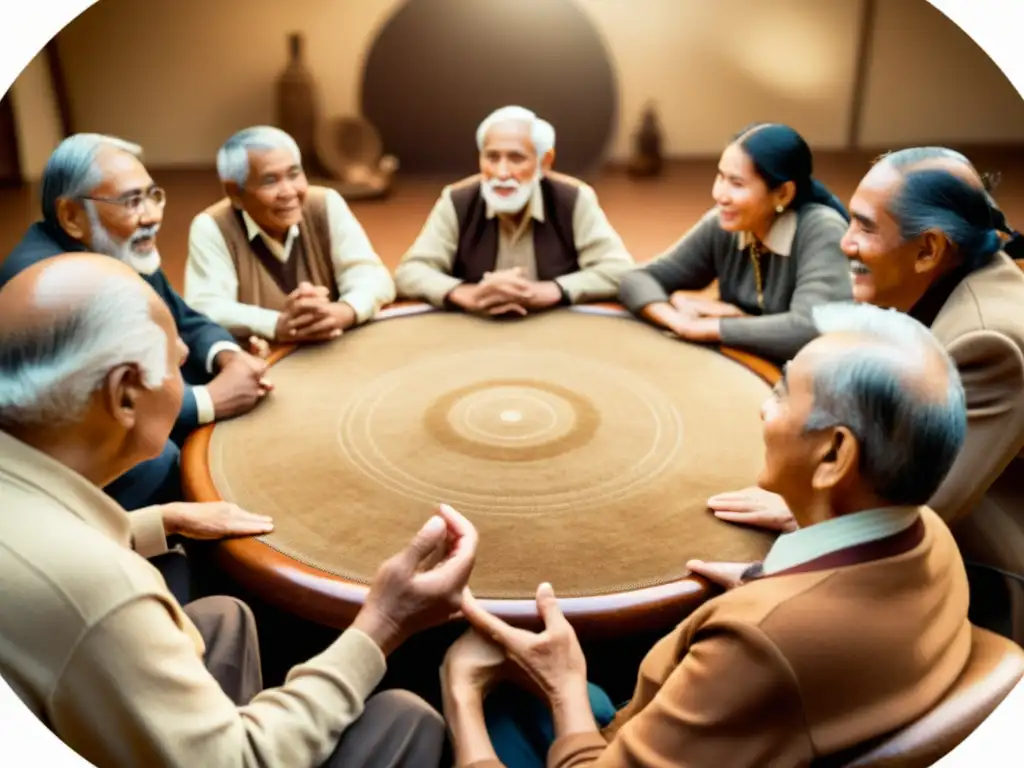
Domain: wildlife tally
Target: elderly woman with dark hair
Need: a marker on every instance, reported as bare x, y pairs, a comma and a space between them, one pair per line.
771, 241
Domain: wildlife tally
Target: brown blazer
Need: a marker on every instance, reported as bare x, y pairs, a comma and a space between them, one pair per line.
796, 666
981, 324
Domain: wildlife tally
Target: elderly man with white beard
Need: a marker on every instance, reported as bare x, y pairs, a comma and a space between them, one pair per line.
515, 238
98, 197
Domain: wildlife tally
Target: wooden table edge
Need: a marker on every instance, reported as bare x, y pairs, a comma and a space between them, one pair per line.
333, 601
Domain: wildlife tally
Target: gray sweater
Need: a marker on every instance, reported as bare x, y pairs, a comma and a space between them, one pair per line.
815, 271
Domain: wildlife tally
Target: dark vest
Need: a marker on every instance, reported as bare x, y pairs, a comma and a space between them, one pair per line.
554, 245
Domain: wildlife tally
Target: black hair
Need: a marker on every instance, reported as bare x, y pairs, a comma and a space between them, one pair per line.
780, 154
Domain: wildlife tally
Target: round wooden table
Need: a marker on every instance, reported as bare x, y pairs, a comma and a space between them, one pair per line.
581, 442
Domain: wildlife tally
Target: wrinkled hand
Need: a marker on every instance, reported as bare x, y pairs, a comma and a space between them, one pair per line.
553, 658
213, 520
309, 316
525, 294
422, 585
702, 330
240, 385
498, 293
473, 663
753, 506
727, 575
694, 307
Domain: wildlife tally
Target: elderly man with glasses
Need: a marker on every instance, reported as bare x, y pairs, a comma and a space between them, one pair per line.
97, 196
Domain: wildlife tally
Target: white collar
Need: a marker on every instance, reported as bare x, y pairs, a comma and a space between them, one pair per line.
780, 235
814, 541
280, 252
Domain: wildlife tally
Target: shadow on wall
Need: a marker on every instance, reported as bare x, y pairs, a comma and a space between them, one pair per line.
438, 67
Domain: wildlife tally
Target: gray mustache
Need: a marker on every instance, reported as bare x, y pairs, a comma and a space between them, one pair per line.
145, 233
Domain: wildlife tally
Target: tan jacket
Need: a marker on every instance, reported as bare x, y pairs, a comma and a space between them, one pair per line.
99, 650
981, 324
795, 666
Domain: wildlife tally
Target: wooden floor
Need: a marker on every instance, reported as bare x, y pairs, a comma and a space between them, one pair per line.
650, 215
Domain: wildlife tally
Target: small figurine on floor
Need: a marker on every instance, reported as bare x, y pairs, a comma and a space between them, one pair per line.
647, 159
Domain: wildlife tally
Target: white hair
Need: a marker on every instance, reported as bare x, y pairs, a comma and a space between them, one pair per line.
72, 172
48, 374
544, 136
233, 157
542, 133
908, 439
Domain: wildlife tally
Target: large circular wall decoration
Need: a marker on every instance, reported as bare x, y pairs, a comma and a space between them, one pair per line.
438, 67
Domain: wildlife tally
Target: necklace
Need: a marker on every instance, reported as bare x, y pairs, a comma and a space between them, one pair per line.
756, 250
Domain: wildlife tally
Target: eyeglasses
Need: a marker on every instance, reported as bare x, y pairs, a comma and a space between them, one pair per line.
135, 202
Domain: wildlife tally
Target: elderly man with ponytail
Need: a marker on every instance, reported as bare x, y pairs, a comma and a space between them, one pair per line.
927, 239
771, 242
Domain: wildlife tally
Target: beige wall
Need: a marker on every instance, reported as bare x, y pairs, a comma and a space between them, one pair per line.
929, 82
36, 116
203, 68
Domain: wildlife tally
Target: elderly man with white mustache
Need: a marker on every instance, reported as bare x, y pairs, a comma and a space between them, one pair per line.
515, 238
97, 196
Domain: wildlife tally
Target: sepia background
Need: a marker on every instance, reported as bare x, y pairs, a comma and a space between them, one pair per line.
855, 77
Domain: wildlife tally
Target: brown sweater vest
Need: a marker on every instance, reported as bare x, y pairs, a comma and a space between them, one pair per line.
554, 245
263, 280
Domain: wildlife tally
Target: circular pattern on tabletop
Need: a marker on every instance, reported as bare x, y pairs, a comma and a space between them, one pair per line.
583, 447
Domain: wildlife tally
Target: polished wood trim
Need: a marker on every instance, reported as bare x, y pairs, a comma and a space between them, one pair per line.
333, 601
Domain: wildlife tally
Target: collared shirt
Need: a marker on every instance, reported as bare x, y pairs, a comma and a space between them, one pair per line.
205, 410
211, 284
807, 544
804, 267
425, 272
98, 649
780, 235
203, 337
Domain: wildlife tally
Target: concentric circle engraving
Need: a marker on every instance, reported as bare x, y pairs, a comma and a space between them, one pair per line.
512, 420
582, 447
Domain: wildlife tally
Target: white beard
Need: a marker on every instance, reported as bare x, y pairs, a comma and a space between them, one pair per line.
513, 203
124, 250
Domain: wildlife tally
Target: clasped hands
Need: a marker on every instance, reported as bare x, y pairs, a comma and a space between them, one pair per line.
506, 291
309, 315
